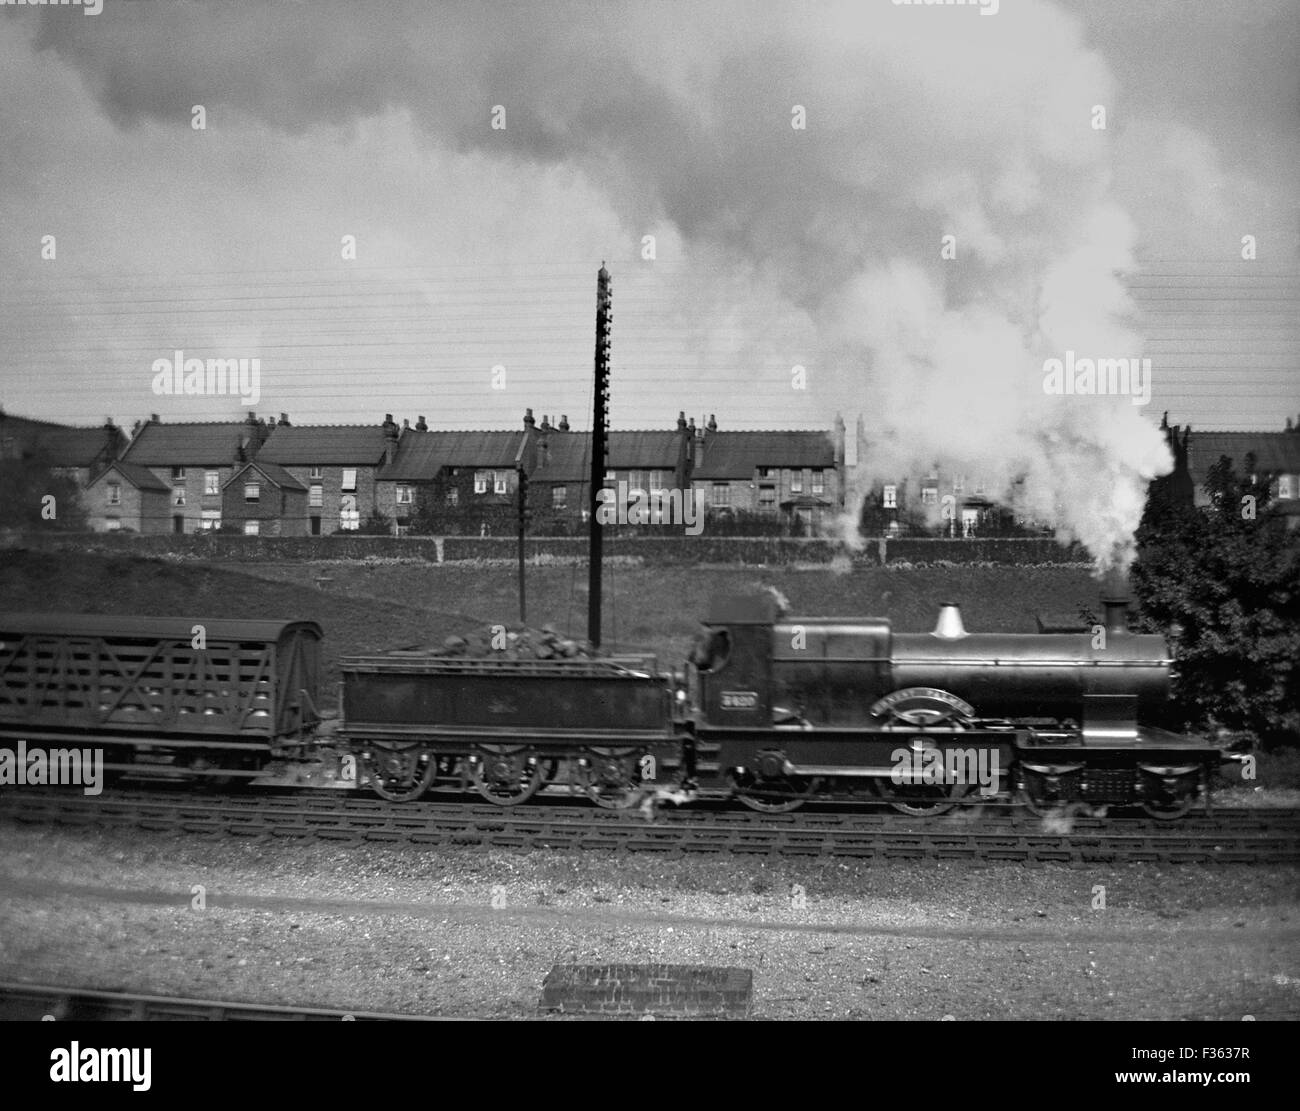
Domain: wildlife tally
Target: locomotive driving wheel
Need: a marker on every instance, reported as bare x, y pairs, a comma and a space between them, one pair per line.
776, 795
922, 800
400, 772
507, 774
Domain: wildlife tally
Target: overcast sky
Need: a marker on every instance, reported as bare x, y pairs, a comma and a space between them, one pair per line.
776, 246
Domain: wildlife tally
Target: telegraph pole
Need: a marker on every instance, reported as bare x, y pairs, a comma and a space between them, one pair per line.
599, 438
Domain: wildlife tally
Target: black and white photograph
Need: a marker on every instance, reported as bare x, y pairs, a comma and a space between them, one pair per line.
647, 511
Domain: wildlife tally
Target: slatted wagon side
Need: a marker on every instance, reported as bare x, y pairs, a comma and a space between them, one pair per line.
162, 683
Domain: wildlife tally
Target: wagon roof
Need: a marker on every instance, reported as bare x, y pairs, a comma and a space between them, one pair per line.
175, 628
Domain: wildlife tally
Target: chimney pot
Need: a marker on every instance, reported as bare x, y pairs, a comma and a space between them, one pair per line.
421, 425
564, 422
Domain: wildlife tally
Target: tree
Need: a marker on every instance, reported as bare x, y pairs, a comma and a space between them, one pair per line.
27, 484
1223, 583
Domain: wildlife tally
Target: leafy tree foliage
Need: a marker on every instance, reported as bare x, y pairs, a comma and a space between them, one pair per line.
26, 484
1223, 582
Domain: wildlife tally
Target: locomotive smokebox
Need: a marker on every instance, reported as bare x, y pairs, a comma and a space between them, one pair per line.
949, 626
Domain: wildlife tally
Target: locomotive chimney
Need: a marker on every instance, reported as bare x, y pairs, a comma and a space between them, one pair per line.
1116, 614
1115, 601
949, 626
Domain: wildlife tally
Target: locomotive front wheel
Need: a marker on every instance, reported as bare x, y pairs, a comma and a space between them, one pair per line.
507, 774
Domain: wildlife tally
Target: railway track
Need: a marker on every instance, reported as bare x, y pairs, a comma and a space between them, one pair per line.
987, 833
34, 1002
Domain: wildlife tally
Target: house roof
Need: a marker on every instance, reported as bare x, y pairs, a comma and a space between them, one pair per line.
1275, 452
142, 478
421, 455
324, 444
61, 445
194, 444
644, 449
273, 471
565, 458
567, 455
736, 454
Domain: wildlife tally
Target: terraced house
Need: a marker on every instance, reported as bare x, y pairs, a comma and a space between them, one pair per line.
194, 460
455, 482
791, 477
337, 465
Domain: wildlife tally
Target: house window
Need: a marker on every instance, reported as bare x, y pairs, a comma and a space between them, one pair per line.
764, 472
1286, 486
178, 474
453, 494
929, 495
112, 524
818, 482
656, 480
252, 491
252, 528
316, 495
179, 498
796, 482
209, 519
969, 519
212, 482
480, 482
315, 472
349, 479
559, 497
721, 494
403, 494
959, 484
767, 497
891, 497
114, 493
349, 515
501, 483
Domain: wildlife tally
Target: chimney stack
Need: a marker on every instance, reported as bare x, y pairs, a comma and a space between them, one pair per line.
564, 422
421, 425
284, 419
390, 438
529, 423
545, 426
712, 426
681, 421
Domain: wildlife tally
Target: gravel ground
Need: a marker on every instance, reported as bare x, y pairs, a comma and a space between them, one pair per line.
472, 933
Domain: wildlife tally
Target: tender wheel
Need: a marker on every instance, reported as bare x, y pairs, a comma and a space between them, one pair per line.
400, 774
611, 777
507, 774
778, 795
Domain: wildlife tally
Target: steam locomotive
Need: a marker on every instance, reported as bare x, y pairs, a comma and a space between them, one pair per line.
771, 710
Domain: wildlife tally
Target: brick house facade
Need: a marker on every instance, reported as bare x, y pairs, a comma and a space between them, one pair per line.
127, 496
